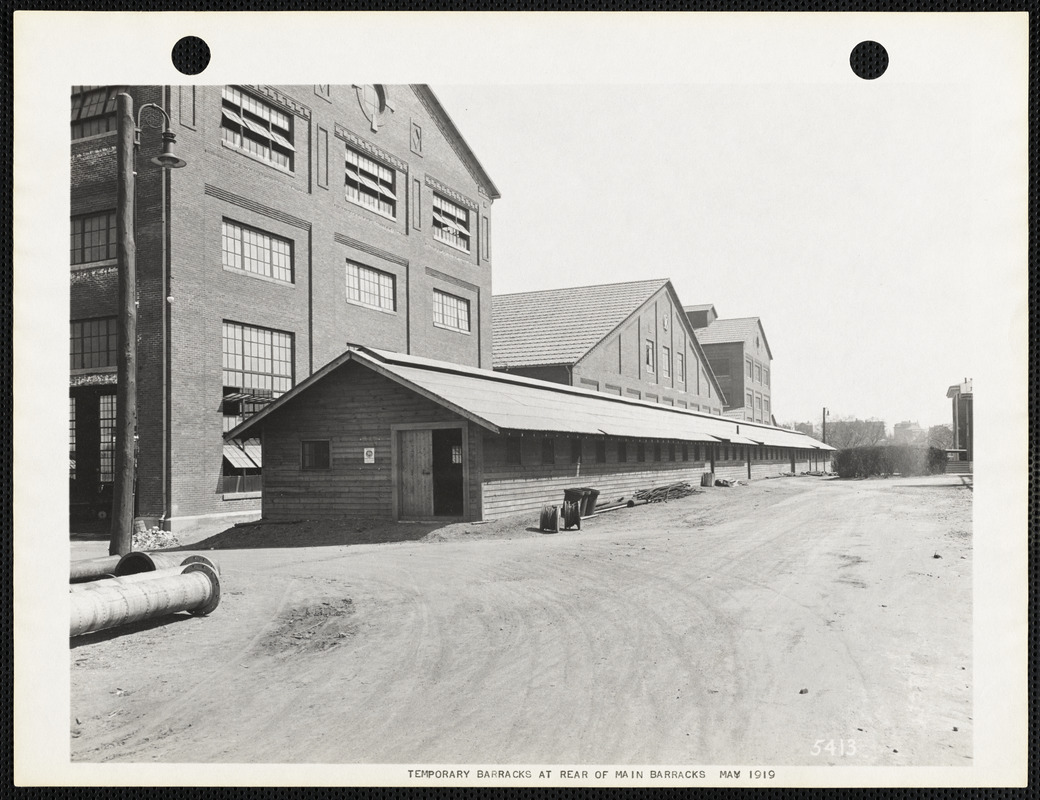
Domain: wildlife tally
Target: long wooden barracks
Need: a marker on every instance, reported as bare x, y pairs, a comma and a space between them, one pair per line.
380, 434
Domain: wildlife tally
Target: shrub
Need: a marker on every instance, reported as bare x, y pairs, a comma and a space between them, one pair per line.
154, 539
864, 462
937, 459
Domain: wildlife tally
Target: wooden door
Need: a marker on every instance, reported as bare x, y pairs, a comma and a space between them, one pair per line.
416, 473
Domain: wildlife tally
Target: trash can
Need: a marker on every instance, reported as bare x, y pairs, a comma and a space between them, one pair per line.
573, 495
590, 507
707, 479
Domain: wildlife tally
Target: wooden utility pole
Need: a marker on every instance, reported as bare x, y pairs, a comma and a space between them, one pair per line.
121, 533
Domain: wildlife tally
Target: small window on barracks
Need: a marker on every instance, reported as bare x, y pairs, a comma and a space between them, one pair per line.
548, 450
314, 454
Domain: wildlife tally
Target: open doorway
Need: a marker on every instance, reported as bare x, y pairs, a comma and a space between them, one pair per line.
431, 472
447, 472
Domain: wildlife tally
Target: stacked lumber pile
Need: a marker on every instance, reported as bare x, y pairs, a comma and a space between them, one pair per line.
662, 494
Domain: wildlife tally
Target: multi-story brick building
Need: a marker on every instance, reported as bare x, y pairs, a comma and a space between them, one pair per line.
908, 432
628, 339
962, 400
739, 354
307, 217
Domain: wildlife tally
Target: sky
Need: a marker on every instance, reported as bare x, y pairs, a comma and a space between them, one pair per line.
837, 214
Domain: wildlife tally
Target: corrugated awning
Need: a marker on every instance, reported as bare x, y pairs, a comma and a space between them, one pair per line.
238, 457
253, 398
253, 450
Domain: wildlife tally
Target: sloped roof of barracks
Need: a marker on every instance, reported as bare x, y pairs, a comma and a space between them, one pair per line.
501, 402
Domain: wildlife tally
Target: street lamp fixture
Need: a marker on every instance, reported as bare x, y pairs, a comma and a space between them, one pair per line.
167, 159
127, 144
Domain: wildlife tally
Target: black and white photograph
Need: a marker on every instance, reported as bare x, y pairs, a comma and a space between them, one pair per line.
596, 411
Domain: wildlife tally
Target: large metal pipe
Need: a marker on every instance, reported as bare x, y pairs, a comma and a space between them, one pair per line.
143, 561
118, 580
91, 568
195, 590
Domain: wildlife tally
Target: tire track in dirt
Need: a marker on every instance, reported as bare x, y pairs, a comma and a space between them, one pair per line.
644, 639
158, 721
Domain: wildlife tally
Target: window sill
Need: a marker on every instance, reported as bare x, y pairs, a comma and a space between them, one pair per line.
449, 328
93, 371
371, 307
370, 209
108, 262
455, 247
258, 160
241, 496
94, 136
265, 278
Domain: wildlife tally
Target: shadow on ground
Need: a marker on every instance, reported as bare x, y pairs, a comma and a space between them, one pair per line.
128, 628
314, 533
947, 486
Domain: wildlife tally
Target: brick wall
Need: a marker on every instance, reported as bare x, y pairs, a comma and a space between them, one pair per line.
179, 257
728, 360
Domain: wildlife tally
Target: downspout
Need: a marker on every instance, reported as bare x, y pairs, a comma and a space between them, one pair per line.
164, 260
310, 301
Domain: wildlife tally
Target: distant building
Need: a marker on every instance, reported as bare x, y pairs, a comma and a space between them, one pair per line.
963, 423
907, 432
739, 355
627, 339
805, 427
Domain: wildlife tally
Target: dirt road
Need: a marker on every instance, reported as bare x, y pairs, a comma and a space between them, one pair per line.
792, 621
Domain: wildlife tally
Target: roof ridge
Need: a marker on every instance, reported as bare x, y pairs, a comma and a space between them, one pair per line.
384, 361
590, 286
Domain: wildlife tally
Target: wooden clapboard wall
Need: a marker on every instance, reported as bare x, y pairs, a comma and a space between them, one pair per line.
510, 488
353, 408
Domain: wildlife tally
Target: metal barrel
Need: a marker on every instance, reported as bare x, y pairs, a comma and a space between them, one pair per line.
145, 561
195, 590
136, 577
90, 568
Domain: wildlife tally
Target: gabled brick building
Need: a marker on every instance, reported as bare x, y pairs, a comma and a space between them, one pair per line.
306, 217
739, 354
628, 339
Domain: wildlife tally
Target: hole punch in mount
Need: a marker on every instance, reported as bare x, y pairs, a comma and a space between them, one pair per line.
869, 60
190, 55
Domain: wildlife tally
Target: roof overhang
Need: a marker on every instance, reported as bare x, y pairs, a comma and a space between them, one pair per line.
500, 402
